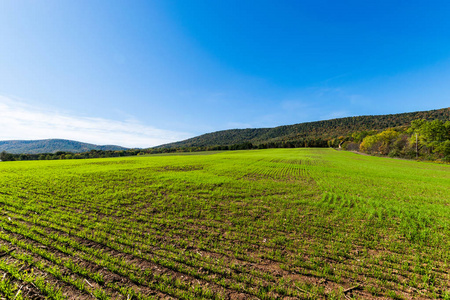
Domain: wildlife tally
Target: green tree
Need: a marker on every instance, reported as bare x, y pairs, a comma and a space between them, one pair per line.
5, 156
429, 134
380, 143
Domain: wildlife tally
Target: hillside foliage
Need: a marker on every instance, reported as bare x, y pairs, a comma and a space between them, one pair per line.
423, 139
311, 134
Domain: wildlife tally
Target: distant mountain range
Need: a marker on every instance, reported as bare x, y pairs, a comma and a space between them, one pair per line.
324, 130
51, 146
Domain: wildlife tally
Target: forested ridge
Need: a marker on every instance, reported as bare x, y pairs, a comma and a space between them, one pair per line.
307, 134
52, 146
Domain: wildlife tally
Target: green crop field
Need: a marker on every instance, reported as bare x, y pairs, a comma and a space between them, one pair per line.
259, 224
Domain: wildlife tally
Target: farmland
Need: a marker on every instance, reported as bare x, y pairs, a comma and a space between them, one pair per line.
259, 224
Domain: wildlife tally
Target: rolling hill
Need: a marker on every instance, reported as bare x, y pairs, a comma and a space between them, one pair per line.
324, 130
51, 146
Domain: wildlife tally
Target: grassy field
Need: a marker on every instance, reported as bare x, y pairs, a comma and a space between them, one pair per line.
260, 224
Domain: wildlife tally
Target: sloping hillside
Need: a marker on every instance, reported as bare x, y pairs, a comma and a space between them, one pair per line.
51, 146
312, 130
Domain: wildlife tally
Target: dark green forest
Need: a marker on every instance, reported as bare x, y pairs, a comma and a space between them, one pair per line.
311, 134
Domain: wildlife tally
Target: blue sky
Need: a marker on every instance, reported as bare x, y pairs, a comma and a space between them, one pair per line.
143, 73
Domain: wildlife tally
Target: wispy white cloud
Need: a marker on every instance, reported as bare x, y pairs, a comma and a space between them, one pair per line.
21, 121
336, 115
233, 125
322, 103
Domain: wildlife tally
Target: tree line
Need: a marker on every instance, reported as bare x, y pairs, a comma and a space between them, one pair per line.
422, 139
429, 140
5, 156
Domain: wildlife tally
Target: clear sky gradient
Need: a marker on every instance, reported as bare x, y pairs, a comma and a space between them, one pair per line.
143, 73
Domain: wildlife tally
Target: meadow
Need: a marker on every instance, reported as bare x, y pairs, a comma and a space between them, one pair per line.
257, 224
